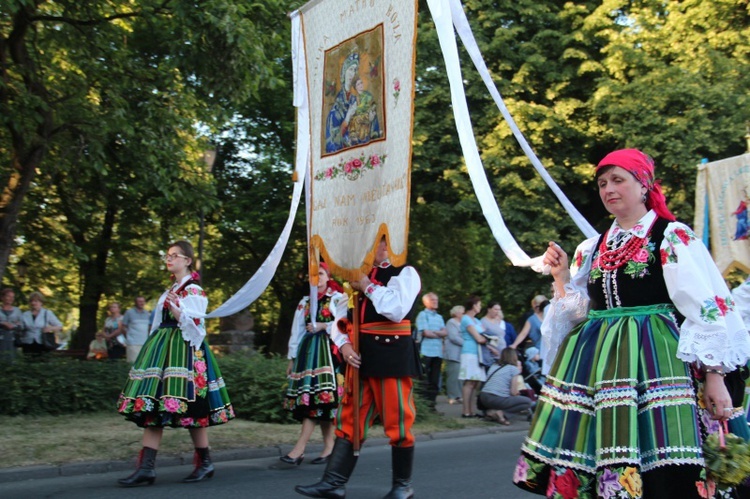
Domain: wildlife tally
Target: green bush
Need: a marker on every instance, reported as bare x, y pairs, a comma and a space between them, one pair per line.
256, 386
58, 385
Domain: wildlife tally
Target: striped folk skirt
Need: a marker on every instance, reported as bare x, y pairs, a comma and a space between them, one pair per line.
617, 416
315, 385
173, 384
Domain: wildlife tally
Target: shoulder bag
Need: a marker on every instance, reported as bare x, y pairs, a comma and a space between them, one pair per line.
49, 340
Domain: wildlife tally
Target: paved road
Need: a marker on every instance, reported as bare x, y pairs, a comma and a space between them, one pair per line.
479, 467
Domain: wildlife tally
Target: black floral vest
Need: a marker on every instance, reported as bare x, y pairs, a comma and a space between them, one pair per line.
639, 282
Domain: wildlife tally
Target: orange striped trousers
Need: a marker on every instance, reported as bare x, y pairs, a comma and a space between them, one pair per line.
390, 398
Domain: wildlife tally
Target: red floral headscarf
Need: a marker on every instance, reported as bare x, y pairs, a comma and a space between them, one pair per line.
641, 166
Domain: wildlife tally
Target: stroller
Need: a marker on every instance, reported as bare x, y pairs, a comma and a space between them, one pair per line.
532, 370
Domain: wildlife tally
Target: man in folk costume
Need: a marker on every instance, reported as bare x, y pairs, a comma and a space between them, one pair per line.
387, 362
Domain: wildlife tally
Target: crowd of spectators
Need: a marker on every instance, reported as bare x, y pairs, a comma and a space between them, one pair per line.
481, 362
37, 330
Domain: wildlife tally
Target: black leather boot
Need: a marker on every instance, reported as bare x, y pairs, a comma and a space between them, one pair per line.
402, 459
145, 471
338, 470
204, 468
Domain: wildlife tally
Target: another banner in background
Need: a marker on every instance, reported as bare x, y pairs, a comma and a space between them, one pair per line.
722, 200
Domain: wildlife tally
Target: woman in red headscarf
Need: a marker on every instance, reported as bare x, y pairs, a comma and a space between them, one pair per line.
315, 383
639, 337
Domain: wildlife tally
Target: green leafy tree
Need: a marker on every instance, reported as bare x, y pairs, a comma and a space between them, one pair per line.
99, 105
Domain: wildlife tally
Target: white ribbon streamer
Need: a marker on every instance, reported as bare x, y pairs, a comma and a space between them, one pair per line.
467, 37
441, 15
262, 277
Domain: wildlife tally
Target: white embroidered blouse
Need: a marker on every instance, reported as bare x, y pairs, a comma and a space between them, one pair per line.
336, 310
713, 332
193, 304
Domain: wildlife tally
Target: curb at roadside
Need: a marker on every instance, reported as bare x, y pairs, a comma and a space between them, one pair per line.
96, 467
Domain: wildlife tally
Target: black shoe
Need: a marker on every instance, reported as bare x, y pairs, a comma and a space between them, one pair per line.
294, 462
145, 471
402, 460
204, 468
340, 466
321, 459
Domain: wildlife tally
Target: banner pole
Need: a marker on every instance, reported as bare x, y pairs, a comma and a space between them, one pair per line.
355, 374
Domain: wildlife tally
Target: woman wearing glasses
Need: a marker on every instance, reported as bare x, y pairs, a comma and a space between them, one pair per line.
175, 380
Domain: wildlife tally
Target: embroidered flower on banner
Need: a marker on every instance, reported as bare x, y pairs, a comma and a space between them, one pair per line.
396, 89
352, 168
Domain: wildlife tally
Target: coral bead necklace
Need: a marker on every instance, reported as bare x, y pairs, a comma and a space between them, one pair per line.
612, 255
614, 258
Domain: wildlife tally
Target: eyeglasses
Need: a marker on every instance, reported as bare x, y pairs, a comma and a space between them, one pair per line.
171, 256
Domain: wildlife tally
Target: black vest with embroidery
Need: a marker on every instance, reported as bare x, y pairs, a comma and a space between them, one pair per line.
637, 283
385, 356
167, 319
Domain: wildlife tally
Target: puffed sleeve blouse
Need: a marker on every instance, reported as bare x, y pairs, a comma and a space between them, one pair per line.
337, 308
712, 333
192, 304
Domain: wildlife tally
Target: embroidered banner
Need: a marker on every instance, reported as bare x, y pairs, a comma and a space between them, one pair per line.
360, 85
722, 199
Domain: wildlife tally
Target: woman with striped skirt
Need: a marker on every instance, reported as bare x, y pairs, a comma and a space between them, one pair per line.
175, 380
639, 336
315, 381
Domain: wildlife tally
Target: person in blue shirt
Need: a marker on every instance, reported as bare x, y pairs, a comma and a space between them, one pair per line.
471, 373
431, 329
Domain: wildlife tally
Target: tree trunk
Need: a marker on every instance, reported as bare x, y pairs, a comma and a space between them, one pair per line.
26, 152
10, 203
94, 277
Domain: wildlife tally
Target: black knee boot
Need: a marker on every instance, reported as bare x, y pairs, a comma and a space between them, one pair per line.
145, 471
402, 459
339, 469
204, 468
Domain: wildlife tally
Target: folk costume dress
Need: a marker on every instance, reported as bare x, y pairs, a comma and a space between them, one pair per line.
741, 296
175, 380
619, 416
316, 382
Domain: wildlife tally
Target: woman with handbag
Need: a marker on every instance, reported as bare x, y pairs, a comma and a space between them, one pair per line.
10, 324
315, 381
114, 332
175, 380
40, 327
